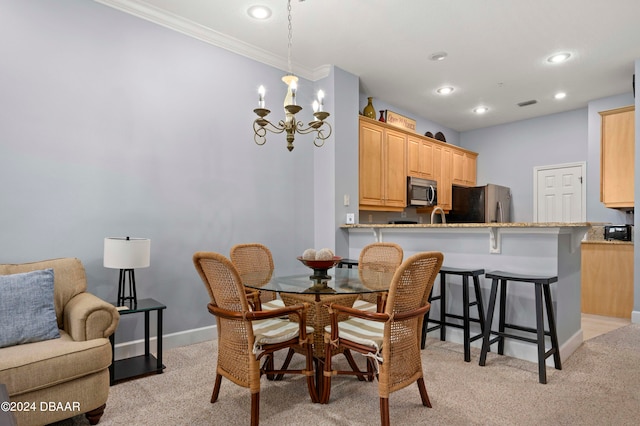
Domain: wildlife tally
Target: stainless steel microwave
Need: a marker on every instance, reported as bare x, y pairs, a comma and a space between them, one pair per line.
421, 192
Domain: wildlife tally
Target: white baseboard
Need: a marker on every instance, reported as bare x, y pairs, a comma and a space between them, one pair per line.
635, 317
183, 338
515, 348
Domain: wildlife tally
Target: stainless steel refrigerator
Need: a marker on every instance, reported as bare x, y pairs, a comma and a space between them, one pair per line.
480, 204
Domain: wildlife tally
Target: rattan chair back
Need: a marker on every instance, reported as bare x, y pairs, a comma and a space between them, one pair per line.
374, 258
254, 262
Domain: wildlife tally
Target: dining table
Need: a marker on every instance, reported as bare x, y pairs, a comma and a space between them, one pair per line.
319, 288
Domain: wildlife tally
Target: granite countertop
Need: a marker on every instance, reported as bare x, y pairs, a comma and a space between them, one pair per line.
473, 225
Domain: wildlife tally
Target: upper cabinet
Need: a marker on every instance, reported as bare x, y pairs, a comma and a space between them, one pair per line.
419, 157
463, 168
383, 176
617, 157
388, 155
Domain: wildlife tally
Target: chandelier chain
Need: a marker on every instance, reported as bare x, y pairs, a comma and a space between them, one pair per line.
289, 64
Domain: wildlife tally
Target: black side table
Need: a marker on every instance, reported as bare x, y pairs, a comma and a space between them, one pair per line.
141, 365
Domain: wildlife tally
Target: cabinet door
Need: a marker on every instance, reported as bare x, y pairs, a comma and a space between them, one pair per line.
396, 175
457, 167
413, 157
607, 279
470, 165
419, 158
371, 165
617, 158
442, 173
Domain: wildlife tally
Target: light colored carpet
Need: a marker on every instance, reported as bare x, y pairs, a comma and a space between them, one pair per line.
599, 384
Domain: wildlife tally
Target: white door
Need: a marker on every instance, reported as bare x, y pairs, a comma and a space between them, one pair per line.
560, 193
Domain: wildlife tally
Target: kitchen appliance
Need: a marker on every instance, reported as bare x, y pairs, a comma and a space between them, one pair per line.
421, 192
618, 232
480, 204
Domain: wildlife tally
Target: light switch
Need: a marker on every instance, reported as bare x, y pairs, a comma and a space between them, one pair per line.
346, 199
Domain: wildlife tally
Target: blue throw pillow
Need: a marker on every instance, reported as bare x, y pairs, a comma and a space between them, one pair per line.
27, 313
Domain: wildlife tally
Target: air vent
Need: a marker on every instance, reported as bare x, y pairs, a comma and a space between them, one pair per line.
527, 103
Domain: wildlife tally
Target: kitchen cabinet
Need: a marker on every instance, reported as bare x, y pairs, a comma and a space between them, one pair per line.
617, 157
607, 278
419, 157
442, 161
383, 175
463, 168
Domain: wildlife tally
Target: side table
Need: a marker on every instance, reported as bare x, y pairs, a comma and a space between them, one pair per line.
141, 365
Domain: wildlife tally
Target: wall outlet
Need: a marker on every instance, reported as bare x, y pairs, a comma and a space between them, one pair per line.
351, 218
403, 214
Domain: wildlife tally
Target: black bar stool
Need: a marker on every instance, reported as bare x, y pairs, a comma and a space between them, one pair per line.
349, 263
442, 322
500, 279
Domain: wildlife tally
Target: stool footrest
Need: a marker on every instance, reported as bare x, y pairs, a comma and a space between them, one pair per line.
460, 317
527, 329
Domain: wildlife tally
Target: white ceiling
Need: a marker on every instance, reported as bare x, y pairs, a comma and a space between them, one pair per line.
497, 49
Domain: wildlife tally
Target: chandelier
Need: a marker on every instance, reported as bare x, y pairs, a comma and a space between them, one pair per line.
290, 125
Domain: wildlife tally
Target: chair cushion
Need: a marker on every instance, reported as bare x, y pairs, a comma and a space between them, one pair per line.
33, 366
27, 313
274, 330
272, 304
362, 331
365, 306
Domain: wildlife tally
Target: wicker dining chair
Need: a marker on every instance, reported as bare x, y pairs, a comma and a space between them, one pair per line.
374, 258
390, 338
246, 337
255, 260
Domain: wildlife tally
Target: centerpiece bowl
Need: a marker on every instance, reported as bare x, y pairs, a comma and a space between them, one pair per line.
320, 272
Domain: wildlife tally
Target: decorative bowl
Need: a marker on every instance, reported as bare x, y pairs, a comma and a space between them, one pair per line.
320, 264
320, 269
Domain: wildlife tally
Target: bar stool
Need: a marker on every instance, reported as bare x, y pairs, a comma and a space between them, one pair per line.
500, 279
466, 319
349, 263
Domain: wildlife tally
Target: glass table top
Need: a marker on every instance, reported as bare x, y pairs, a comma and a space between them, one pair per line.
336, 281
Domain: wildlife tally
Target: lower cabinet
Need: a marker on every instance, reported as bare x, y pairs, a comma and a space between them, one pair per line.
607, 279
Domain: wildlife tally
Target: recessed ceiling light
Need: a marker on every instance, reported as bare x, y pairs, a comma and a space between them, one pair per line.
259, 12
438, 56
560, 95
480, 109
558, 57
447, 90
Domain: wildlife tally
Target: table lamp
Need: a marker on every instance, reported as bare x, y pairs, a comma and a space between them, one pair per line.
126, 254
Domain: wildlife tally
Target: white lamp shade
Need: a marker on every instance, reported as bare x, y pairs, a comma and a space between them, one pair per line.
127, 253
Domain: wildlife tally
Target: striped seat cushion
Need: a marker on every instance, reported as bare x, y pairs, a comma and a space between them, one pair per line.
365, 332
272, 304
365, 306
274, 330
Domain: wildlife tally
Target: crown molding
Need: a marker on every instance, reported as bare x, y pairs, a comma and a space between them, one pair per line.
187, 27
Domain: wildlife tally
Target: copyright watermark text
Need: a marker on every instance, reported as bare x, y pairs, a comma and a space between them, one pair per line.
15, 406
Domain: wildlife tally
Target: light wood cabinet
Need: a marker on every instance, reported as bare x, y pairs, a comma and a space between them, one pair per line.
419, 157
388, 155
607, 279
383, 175
463, 168
617, 158
442, 161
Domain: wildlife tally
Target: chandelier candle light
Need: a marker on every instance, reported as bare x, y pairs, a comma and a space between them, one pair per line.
290, 125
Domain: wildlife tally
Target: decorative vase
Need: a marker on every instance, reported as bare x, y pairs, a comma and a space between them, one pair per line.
369, 111
382, 116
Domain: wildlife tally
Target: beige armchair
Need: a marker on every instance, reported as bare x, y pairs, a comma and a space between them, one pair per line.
72, 371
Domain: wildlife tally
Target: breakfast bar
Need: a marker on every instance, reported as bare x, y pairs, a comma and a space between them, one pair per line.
527, 248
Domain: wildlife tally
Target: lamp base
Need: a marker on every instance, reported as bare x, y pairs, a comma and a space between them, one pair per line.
132, 297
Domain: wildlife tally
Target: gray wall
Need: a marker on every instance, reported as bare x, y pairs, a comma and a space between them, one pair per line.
114, 126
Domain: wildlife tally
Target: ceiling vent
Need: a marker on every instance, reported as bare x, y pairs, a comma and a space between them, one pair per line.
527, 103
